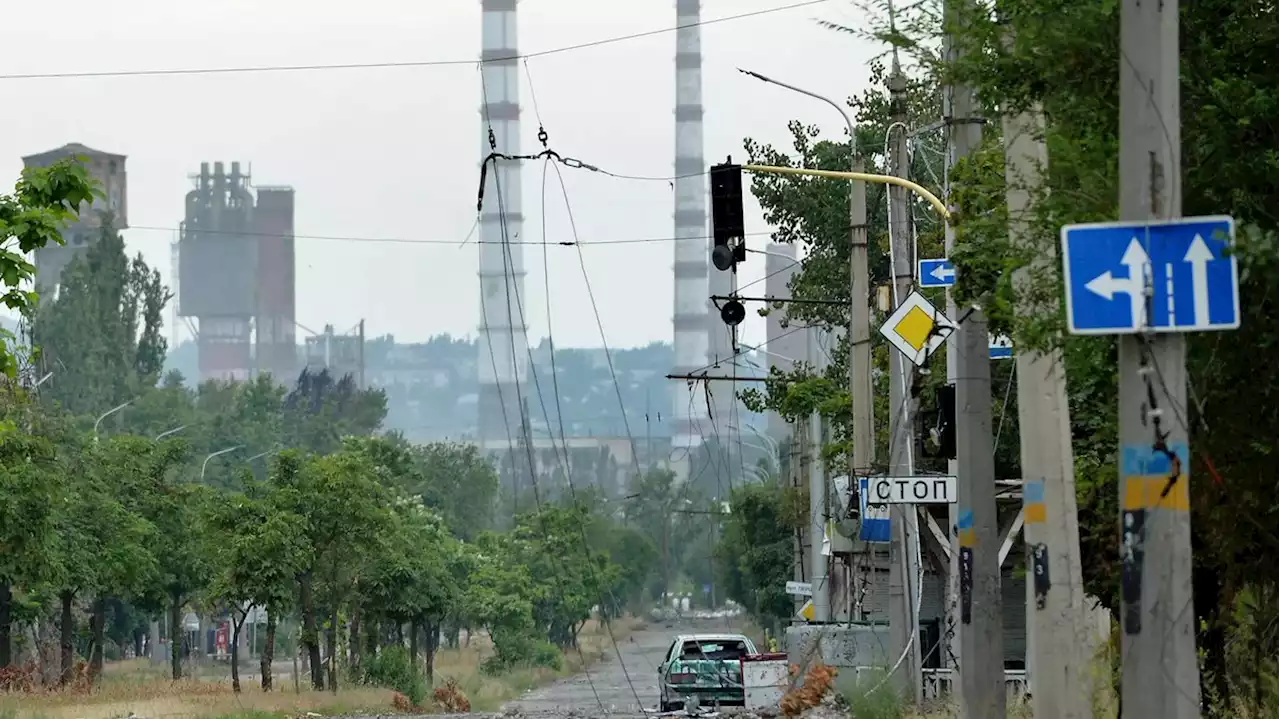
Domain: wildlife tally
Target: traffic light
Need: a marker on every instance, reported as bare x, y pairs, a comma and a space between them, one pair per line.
726, 216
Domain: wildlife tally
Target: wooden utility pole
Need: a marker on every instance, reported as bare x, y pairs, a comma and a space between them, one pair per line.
1159, 675
904, 565
976, 544
1059, 653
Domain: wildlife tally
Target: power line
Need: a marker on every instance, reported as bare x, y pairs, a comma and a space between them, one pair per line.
245, 69
435, 241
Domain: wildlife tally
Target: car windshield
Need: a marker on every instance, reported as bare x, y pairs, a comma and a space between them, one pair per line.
714, 650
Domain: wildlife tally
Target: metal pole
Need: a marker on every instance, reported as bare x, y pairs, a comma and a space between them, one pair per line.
1159, 676
205, 465
982, 692
862, 455
904, 573
1059, 658
106, 414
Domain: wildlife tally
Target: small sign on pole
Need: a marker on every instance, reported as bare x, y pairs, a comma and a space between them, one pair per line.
913, 490
999, 347
803, 589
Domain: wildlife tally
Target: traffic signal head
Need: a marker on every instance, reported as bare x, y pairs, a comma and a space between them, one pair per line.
726, 216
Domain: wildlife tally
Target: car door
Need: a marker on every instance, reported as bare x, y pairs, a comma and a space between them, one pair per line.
662, 669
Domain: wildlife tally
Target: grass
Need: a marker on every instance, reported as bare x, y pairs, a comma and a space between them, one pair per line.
140, 688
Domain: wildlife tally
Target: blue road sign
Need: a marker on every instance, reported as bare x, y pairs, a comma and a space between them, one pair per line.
937, 273
1193, 281
875, 517
999, 348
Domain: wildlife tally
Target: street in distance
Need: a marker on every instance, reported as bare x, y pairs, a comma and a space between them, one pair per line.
1132, 277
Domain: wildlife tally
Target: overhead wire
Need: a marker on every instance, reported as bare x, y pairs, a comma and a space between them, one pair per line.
315, 67
468, 239
510, 280
604, 613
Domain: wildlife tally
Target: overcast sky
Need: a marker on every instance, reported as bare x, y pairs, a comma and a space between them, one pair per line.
392, 152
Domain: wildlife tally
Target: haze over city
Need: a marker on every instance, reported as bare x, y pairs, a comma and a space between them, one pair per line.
386, 158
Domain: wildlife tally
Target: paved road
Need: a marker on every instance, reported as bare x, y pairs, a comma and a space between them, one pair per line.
617, 684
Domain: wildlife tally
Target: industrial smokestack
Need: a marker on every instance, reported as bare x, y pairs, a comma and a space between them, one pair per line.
502, 329
692, 248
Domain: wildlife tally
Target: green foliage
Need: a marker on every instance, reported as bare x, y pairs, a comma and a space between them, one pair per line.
755, 553
395, 669
43, 202
101, 335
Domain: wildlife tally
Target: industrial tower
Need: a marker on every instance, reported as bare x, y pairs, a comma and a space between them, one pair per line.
236, 275
691, 325
504, 346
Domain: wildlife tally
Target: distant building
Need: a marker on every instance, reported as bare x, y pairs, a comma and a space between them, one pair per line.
108, 170
236, 275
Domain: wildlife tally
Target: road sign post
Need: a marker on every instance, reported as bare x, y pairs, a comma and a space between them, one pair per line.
1162, 276
937, 273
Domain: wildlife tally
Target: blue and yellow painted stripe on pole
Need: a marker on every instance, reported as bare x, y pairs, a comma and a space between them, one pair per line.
1146, 473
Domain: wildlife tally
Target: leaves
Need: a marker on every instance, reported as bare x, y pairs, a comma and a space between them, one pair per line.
43, 202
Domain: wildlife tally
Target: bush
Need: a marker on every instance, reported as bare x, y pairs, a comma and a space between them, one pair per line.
393, 668
518, 648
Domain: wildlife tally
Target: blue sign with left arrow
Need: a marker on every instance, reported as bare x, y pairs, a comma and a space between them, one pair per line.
1131, 277
937, 273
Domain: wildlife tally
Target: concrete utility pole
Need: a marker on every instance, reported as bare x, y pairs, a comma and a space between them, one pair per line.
976, 544
904, 565
1059, 652
817, 508
1159, 676
863, 455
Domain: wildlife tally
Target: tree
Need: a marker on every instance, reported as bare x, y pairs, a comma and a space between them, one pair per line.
43, 202
31, 486
258, 549
755, 553
101, 334
344, 510
455, 480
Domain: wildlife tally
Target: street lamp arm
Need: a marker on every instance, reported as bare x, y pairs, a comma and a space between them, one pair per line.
106, 414
863, 176
853, 138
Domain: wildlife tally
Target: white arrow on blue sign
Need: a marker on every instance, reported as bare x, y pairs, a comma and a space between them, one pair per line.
1193, 280
937, 273
999, 348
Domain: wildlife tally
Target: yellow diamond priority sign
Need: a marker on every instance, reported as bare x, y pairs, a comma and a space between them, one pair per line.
917, 328
806, 612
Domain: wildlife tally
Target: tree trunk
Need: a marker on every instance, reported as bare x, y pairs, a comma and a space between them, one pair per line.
268, 650
433, 643
415, 630
138, 650
331, 648
98, 632
371, 633
6, 624
236, 626
353, 640
310, 638
175, 636
399, 634
67, 639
